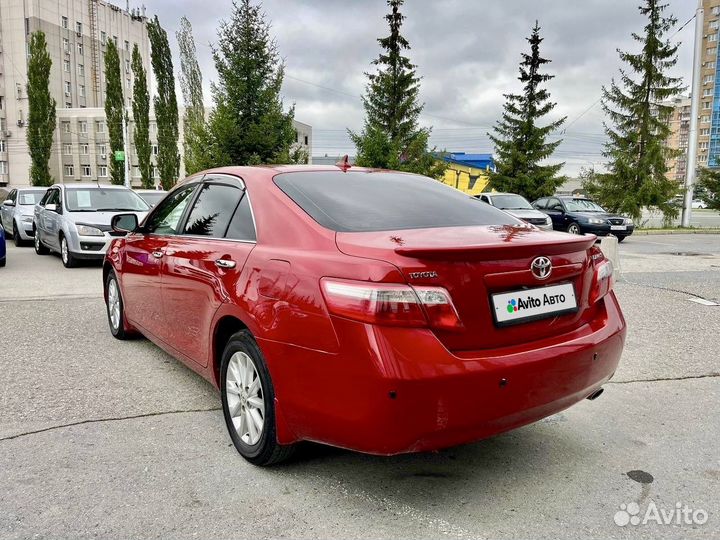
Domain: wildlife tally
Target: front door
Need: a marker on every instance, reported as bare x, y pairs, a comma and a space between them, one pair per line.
203, 264
142, 265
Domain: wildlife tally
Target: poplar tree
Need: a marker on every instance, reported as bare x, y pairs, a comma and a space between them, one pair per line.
521, 139
114, 111
141, 117
248, 125
166, 109
194, 137
41, 111
391, 137
638, 123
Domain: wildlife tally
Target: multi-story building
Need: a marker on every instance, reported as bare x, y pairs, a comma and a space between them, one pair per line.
84, 146
679, 123
709, 125
77, 32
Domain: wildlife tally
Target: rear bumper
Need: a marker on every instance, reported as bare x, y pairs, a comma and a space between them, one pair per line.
395, 390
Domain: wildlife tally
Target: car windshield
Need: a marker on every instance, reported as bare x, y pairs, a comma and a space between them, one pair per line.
361, 201
103, 200
582, 205
511, 202
30, 198
153, 197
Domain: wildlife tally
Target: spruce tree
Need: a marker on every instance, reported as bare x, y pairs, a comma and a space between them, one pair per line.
248, 125
391, 137
41, 111
166, 109
114, 111
638, 123
194, 137
141, 117
521, 141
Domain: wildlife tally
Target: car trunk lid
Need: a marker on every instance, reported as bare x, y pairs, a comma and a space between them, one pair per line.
473, 263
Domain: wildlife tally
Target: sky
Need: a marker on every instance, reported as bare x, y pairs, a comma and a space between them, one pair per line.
466, 51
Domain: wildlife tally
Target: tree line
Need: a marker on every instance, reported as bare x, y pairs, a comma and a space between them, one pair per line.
249, 124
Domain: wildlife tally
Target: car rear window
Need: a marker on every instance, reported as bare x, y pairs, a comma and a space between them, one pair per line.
383, 201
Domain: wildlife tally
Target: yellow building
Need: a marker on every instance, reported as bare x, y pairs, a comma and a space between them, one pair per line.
468, 172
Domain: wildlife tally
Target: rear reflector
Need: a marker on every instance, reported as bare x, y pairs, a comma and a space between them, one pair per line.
390, 304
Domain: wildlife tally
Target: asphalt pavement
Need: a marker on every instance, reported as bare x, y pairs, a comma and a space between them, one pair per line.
104, 438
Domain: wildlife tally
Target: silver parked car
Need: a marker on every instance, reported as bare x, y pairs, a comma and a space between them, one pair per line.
151, 196
74, 220
16, 213
518, 206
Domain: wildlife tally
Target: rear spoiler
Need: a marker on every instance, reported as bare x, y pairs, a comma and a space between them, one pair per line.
499, 250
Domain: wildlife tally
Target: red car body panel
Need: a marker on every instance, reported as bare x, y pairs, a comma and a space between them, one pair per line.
367, 387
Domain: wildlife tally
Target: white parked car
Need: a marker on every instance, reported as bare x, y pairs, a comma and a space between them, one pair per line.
699, 204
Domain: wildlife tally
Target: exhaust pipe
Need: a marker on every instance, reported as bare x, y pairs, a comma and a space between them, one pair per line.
596, 394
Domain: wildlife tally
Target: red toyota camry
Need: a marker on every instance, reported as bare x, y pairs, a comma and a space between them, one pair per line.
372, 310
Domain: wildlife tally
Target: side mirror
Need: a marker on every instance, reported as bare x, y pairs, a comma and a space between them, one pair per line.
124, 223
51, 207
8, 202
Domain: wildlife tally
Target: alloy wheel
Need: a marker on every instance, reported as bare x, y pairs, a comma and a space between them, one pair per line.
113, 304
64, 250
573, 229
245, 398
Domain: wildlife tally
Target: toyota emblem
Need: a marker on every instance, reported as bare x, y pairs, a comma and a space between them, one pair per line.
541, 267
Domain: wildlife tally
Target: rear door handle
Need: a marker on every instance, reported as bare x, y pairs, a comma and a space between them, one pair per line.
224, 263
157, 254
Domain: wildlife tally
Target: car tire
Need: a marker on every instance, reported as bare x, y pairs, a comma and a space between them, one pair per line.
115, 308
2, 262
16, 236
67, 259
40, 248
248, 398
621, 238
574, 228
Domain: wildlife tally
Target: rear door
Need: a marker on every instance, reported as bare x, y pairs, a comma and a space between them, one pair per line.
202, 265
556, 211
143, 258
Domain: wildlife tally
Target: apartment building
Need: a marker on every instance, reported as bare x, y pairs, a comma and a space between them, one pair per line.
77, 32
709, 125
84, 146
679, 123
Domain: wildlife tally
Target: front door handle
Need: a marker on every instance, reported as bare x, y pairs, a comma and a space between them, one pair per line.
224, 263
157, 254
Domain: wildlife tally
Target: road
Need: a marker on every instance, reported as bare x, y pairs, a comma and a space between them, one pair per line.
106, 438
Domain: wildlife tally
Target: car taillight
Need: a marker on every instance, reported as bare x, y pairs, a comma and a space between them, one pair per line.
603, 279
390, 304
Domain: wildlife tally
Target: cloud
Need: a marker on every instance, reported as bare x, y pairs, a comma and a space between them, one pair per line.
467, 52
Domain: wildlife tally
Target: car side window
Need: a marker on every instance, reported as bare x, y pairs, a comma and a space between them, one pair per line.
540, 204
45, 197
13, 195
242, 225
53, 196
484, 199
555, 204
165, 219
213, 209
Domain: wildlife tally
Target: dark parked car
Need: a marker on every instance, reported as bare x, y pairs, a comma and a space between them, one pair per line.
2, 247
580, 216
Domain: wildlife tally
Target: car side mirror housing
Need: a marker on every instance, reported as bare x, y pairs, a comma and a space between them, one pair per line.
124, 223
51, 207
8, 202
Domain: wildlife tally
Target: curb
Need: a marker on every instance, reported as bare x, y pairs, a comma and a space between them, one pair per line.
675, 231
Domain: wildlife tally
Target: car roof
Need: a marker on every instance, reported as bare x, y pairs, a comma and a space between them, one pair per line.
89, 185
149, 191
501, 193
